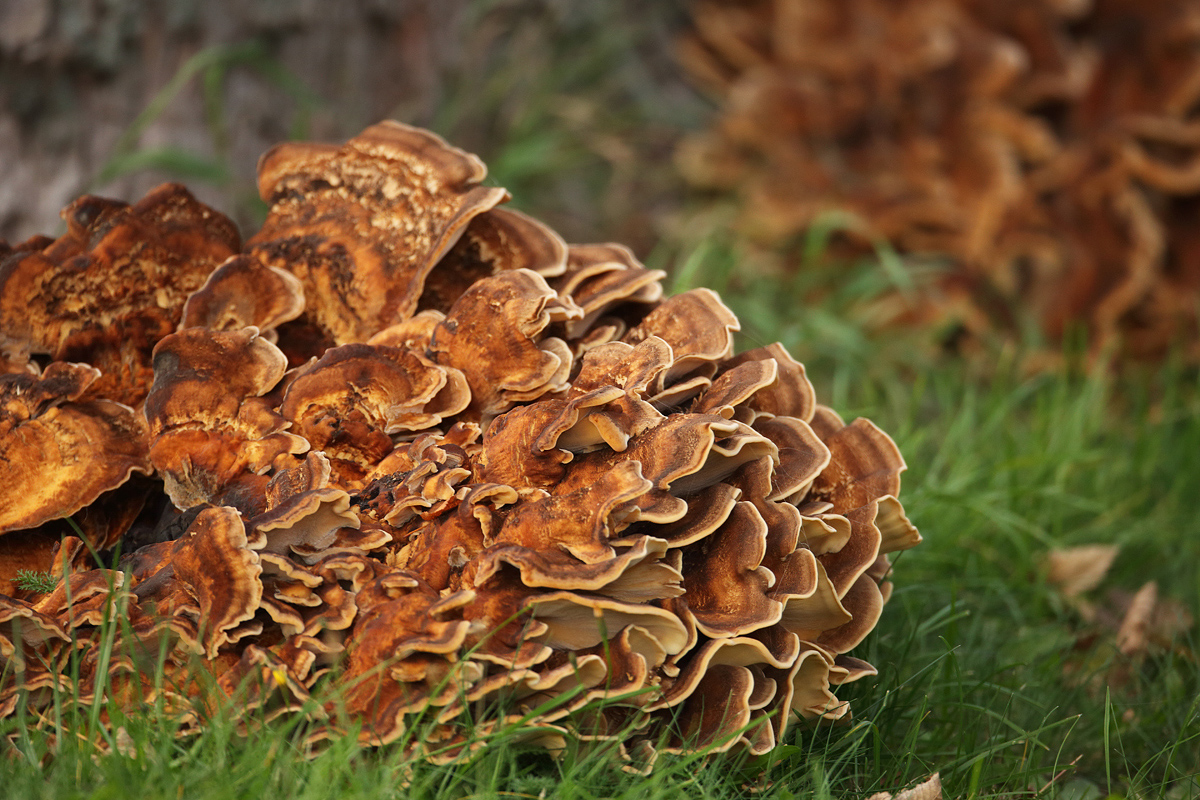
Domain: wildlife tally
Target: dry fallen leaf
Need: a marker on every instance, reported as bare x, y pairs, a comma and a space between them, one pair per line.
1132, 635
1075, 570
1136, 625
1143, 620
929, 790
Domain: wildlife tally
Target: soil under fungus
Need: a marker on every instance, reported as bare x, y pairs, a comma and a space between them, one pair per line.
414, 448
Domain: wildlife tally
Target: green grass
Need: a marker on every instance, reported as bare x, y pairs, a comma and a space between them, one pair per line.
974, 649
986, 674
1001, 472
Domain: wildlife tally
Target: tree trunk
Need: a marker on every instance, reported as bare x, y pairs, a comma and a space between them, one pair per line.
576, 106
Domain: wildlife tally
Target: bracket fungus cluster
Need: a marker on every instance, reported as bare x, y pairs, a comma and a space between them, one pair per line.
1050, 150
410, 446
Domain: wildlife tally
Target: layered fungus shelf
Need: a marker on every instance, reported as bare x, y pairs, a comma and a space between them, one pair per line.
406, 461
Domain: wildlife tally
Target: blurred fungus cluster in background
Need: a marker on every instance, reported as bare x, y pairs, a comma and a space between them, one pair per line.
1047, 150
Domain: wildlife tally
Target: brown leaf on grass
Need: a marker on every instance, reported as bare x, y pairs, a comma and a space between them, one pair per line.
1137, 625
1075, 570
1132, 636
1141, 625
931, 789
1144, 620
1137, 620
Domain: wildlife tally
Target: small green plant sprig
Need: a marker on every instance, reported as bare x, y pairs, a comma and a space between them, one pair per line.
32, 580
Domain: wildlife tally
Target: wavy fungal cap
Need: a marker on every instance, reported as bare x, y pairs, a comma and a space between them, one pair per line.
415, 435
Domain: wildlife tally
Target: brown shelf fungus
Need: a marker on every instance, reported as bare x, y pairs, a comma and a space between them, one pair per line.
502, 475
115, 283
60, 452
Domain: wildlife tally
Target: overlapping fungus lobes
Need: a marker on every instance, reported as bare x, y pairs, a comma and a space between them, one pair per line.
407, 449
1048, 149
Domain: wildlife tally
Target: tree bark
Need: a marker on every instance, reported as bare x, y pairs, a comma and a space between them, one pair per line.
512, 80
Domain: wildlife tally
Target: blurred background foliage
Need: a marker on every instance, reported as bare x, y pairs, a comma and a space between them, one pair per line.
575, 107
